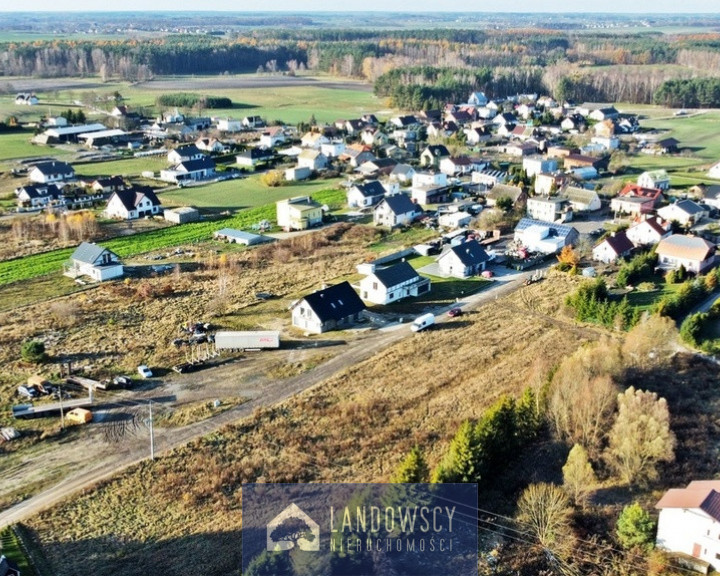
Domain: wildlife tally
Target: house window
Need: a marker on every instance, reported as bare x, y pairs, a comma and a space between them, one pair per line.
391, 295
375, 285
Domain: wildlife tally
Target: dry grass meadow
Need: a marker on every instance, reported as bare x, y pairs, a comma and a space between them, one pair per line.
184, 510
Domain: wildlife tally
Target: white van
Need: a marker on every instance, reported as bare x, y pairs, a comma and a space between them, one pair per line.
423, 322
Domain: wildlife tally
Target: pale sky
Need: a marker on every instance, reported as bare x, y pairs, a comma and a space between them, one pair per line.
608, 6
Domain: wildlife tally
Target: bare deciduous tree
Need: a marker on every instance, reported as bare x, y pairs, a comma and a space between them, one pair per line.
545, 510
650, 342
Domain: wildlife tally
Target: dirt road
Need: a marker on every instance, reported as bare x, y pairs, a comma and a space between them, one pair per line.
102, 465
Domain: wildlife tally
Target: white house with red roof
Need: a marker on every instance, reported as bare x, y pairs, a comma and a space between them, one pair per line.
689, 521
634, 199
649, 232
613, 247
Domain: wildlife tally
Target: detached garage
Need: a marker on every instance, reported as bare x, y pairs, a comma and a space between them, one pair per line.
241, 237
181, 215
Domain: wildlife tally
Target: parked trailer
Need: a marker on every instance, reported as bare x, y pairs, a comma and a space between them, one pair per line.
423, 322
257, 339
39, 410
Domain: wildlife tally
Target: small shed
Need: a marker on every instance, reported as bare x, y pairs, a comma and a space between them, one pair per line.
241, 237
79, 416
181, 215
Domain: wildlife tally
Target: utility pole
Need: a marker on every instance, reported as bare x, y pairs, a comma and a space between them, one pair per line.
62, 414
152, 437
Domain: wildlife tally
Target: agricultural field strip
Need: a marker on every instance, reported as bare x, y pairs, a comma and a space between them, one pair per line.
48, 262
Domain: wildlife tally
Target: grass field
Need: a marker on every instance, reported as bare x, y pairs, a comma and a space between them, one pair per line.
291, 104
14, 145
238, 194
131, 167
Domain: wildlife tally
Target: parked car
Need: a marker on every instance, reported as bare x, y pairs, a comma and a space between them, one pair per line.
122, 381
144, 371
453, 312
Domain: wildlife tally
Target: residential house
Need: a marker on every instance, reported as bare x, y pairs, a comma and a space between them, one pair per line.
370, 119
649, 232
604, 129
457, 118
312, 159
298, 213
185, 154
377, 167
525, 111
39, 195
581, 199
212, 145
664, 146
433, 154
574, 122
477, 134
534, 165
684, 212
605, 143
549, 208
714, 171
272, 137
477, 99
689, 524
572, 161
26, 99
367, 194
331, 308
549, 183
522, 132
654, 179
333, 148
463, 260
108, 185
455, 220
314, 140
613, 247
430, 194
354, 127
373, 137
190, 170
253, 122
387, 285
403, 122
403, 173
711, 195
559, 151
253, 156
356, 154
506, 119
515, 193
94, 261
396, 210
519, 150
695, 254
49, 172
634, 199
229, 125
457, 166
544, 237
133, 203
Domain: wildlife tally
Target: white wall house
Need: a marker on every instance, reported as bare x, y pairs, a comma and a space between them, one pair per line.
685, 212
649, 232
654, 179
331, 308
695, 254
49, 172
393, 283
463, 260
395, 210
689, 521
615, 246
535, 165
93, 261
548, 208
132, 203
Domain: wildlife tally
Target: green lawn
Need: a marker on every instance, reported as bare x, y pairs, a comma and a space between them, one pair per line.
646, 300
10, 547
239, 194
14, 145
129, 167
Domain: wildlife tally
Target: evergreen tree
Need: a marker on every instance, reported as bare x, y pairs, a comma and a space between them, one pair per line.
578, 475
412, 469
460, 462
636, 528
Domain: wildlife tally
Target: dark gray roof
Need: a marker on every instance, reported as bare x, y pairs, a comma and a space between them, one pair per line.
371, 189
335, 302
402, 169
689, 207
470, 253
204, 163
131, 197
89, 253
40, 190
256, 153
189, 150
397, 274
51, 168
401, 204
437, 150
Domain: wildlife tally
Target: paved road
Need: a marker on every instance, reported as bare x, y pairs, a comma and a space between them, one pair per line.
137, 450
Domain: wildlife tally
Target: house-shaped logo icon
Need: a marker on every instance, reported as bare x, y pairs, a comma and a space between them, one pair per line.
292, 527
